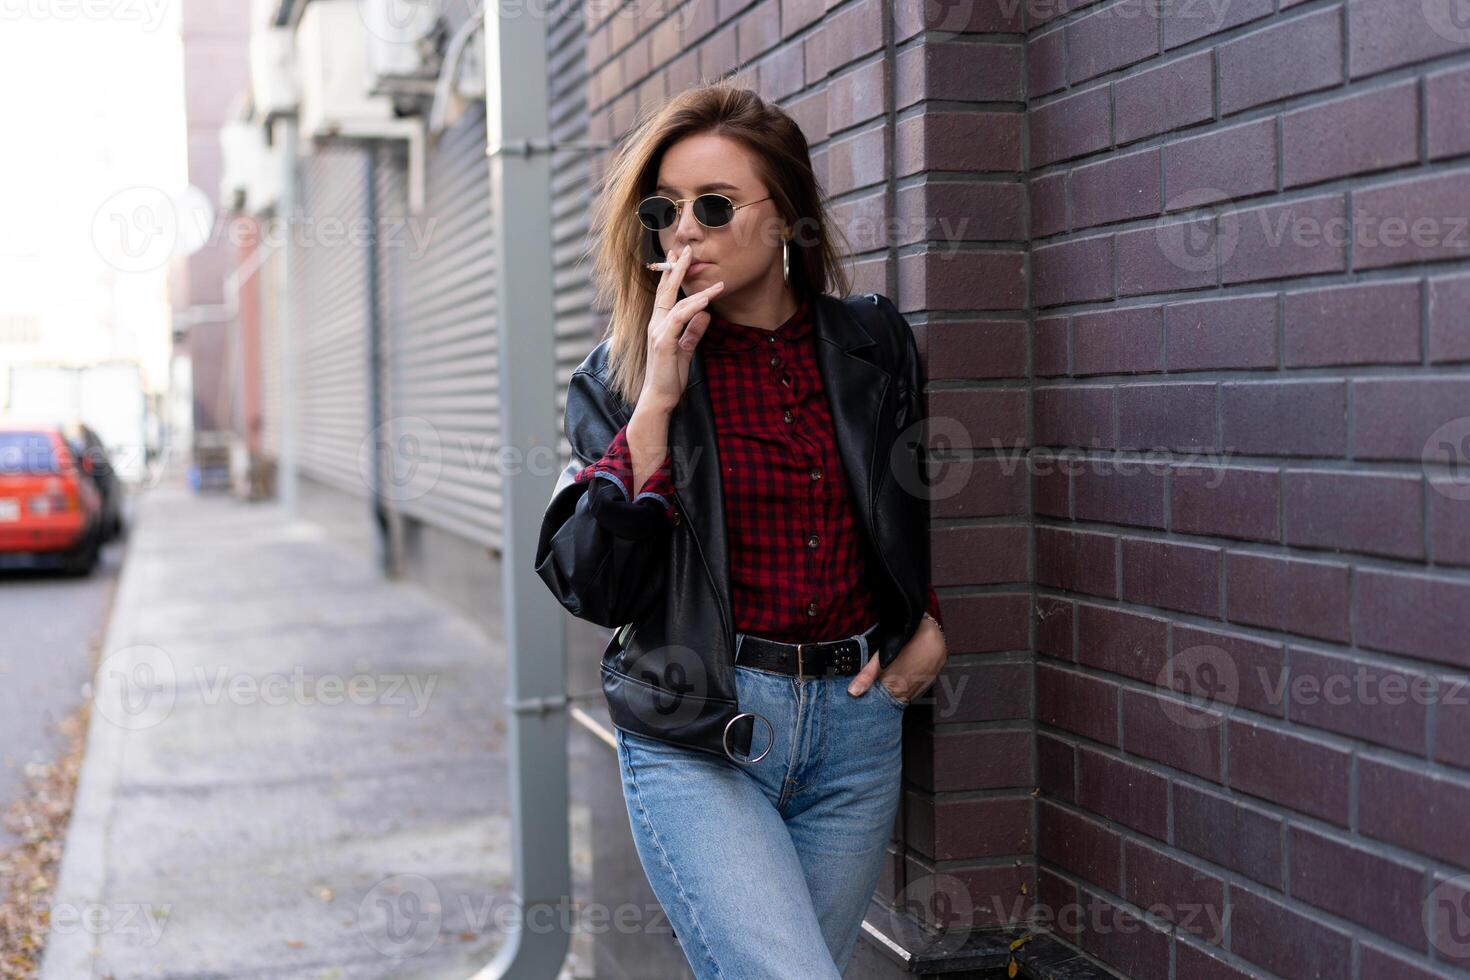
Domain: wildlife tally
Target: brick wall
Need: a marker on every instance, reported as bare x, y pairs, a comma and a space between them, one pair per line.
1222, 293
1191, 287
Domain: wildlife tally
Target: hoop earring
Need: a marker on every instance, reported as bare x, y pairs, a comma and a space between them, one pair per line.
786, 260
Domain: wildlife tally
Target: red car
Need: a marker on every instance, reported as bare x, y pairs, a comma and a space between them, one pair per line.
50, 510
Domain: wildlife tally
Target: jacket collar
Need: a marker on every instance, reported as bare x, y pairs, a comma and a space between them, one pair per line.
856, 386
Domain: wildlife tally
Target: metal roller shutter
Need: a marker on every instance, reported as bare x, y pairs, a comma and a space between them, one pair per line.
438, 289
330, 319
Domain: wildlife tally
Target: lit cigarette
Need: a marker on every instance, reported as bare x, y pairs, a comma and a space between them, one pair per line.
661, 266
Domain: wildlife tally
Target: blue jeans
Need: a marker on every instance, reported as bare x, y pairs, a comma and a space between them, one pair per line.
765, 870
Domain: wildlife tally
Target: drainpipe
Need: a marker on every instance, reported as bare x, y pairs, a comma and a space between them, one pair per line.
286, 469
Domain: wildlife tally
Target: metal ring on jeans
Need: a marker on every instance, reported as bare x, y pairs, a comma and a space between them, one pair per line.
725, 737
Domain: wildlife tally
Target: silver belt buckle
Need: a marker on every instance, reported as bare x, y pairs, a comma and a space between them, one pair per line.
800, 669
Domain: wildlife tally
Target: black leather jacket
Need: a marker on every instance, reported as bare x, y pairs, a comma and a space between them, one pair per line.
668, 671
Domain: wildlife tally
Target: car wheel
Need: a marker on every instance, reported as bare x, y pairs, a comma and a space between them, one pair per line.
84, 559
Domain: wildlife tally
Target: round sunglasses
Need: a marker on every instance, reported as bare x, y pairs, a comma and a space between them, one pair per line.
711, 210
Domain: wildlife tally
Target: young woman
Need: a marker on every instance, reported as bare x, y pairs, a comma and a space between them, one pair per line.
745, 504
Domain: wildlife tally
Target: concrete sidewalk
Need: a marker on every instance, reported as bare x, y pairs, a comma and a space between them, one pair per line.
295, 767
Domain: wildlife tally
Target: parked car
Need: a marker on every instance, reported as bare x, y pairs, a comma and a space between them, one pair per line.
50, 508
95, 461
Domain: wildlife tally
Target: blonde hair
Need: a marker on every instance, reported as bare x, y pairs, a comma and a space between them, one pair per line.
623, 245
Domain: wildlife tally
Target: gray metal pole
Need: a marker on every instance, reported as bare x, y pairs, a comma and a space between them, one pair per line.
535, 633
286, 474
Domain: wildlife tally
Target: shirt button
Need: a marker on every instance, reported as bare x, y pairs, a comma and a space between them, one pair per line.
811, 542
786, 416
816, 473
811, 608
775, 360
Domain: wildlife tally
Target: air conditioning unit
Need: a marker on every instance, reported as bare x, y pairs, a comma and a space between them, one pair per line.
242, 152
337, 87
397, 31
273, 79
331, 51
250, 178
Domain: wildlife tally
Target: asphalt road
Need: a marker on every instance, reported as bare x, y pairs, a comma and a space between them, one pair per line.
48, 621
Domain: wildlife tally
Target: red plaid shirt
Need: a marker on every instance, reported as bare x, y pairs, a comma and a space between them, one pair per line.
799, 564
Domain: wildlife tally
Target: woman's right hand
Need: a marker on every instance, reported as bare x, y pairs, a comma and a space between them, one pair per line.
673, 332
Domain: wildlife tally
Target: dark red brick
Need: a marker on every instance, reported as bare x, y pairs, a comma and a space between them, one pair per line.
1172, 575
1416, 615
1284, 941
1238, 161
1420, 811
1368, 889
1170, 96
1078, 561
1293, 595
1178, 417
1421, 219
1305, 775
1238, 332
1364, 700
1085, 847
1300, 238
1385, 127
1234, 502
1365, 323
1371, 513
1285, 58
1118, 341
1284, 418
1124, 792
1122, 642
1175, 890
1229, 832
1077, 703
1175, 732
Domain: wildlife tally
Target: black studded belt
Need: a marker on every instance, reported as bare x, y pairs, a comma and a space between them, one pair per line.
830, 658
